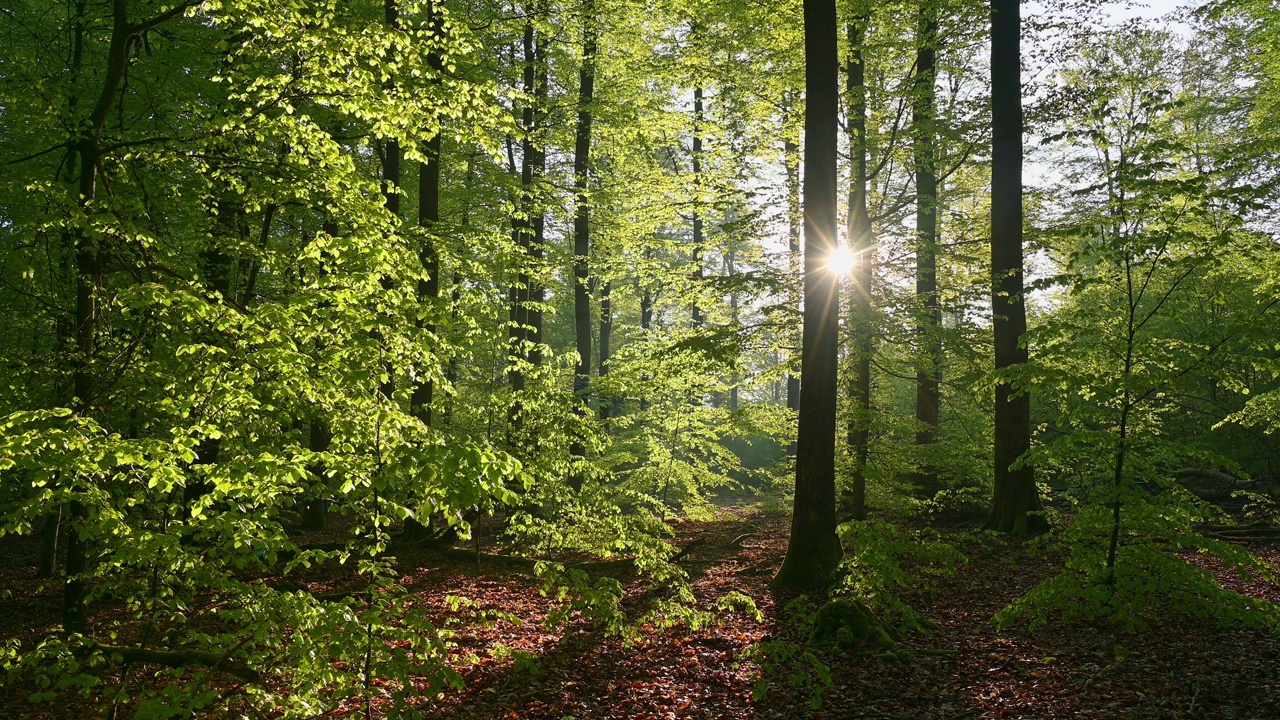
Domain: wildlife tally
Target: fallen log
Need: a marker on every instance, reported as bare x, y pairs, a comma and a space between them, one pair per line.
180, 658
1208, 474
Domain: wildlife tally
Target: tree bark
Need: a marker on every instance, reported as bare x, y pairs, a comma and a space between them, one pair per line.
606, 335
863, 245
698, 317
89, 284
428, 216
391, 156
521, 233
928, 311
537, 243
315, 509
1015, 493
791, 157
814, 550
582, 229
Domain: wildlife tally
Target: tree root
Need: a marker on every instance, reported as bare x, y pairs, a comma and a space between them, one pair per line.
849, 623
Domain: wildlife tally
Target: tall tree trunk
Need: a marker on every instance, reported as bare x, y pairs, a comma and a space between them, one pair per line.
795, 219
89, 285
428, 216
606, 334
814, 550
582, 226
391, 156
315, 508
697, 315
216, 274
455, 293
863, 245
646, 323
928, 311
521, 233
731, 269
1015, 493
537, 243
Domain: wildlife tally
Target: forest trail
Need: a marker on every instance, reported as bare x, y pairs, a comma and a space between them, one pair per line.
513, 666
1054, 672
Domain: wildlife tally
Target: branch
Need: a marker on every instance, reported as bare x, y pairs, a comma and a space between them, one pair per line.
180, 658
35, 155
162, 18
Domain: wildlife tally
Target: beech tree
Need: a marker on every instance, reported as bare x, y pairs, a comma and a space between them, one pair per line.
813, 549
1015, 495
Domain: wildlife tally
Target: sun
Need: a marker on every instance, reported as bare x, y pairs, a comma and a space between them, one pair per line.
841, 261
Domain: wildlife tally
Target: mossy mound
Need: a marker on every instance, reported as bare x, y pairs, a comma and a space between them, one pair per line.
848, 624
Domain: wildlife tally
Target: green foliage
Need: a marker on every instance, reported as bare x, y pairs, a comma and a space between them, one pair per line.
881, 560
1153, 579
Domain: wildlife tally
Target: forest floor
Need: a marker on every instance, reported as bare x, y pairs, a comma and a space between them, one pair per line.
1178, 670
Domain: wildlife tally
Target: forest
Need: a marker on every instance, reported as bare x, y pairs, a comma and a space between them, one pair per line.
899, 359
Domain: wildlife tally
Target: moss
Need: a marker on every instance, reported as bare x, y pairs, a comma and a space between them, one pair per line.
849, 623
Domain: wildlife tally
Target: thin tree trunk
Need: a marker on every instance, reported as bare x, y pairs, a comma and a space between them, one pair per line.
582, 227
863, 245
813, 550
697, 315
522, 230
731, 269
928, 311
606, 334
315, 508
537, 244
1015, 493
646, 324
391, 156
428, 216
795, 218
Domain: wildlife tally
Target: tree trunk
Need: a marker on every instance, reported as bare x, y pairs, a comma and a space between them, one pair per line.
315, 510
582, 228
791, 156
428, 216
537, 243
390, 189
1015, 493
89, 282
49, 534
814, 550
606, 333
646, 324
521, 232
863, 245
731, 269
697, 315
928, 312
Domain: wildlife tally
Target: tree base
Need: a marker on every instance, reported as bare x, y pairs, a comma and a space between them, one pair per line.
809, 564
